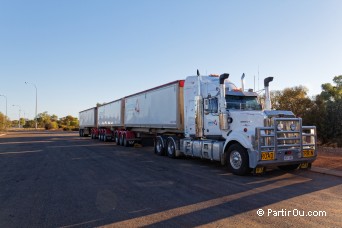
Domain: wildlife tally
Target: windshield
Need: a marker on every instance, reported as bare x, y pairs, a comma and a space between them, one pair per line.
242, 103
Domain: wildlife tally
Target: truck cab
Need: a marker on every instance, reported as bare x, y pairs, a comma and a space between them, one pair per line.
228, 124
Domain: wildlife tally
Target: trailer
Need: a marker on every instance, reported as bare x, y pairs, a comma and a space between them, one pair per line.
110, 117
211, 118
88, 121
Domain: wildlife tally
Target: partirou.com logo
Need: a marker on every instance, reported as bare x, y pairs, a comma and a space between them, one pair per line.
289, 213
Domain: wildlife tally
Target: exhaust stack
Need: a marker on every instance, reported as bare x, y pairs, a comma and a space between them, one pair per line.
243, 82
222, 86
223, 116
268, 105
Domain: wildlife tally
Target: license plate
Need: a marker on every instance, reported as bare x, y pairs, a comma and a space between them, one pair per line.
308, 153
288, 157
265, 156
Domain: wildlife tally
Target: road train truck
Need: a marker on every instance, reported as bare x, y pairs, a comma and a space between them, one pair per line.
210, 118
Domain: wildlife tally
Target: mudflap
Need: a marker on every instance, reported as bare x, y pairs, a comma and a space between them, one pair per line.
259, 170
305, 165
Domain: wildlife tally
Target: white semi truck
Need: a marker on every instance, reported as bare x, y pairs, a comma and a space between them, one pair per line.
209, 117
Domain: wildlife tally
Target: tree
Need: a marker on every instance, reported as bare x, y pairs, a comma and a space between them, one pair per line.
22, 122
330, 101
331, 92
4, 121
14, 123
54, 118
51, 126
43, 118
294, 99
29, 124
68, 123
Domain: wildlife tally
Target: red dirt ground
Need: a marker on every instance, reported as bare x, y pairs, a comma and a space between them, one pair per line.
329, 158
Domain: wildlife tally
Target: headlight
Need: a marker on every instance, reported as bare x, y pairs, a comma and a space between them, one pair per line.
293, 127
280, 127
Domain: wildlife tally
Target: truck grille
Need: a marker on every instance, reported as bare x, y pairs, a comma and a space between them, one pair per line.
285, 134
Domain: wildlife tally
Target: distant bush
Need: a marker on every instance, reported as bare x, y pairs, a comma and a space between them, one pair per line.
66, 128
51, 126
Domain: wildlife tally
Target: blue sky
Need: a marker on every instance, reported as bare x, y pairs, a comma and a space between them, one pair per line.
82, 52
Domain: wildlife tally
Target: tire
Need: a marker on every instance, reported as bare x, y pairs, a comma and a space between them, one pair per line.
237, 160
159, 147
289, 167
171, 147
125, 142
121, 140
117, 139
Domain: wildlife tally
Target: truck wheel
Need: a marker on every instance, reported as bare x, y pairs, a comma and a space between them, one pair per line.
237, 160
117, 139
125, 141
288, 167
171, 147
159, 147
121, 140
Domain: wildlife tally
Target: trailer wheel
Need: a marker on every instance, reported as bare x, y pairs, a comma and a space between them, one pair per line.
116, 138
125, 141
288, 167
171, 147
121, 140
237, 160
159, 147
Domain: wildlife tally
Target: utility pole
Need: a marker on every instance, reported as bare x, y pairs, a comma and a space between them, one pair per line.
35, 118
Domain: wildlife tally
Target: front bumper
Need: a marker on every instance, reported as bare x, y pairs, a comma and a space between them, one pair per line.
281, 158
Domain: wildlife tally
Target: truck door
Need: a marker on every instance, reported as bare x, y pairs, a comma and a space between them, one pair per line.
211, 117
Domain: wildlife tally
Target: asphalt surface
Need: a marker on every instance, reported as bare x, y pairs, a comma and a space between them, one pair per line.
54, 179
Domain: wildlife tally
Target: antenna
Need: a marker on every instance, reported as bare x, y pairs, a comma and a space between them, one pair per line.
198, 73
258, 77
254, 82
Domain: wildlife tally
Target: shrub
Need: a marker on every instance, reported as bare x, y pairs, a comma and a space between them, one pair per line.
51, 126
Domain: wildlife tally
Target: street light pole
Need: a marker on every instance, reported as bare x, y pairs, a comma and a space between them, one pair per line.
6, 109
19, 114
35, 118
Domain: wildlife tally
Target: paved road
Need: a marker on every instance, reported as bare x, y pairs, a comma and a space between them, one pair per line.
60, 180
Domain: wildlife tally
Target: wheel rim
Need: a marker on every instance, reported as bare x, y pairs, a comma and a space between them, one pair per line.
170, 148
159, 146
235, 159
